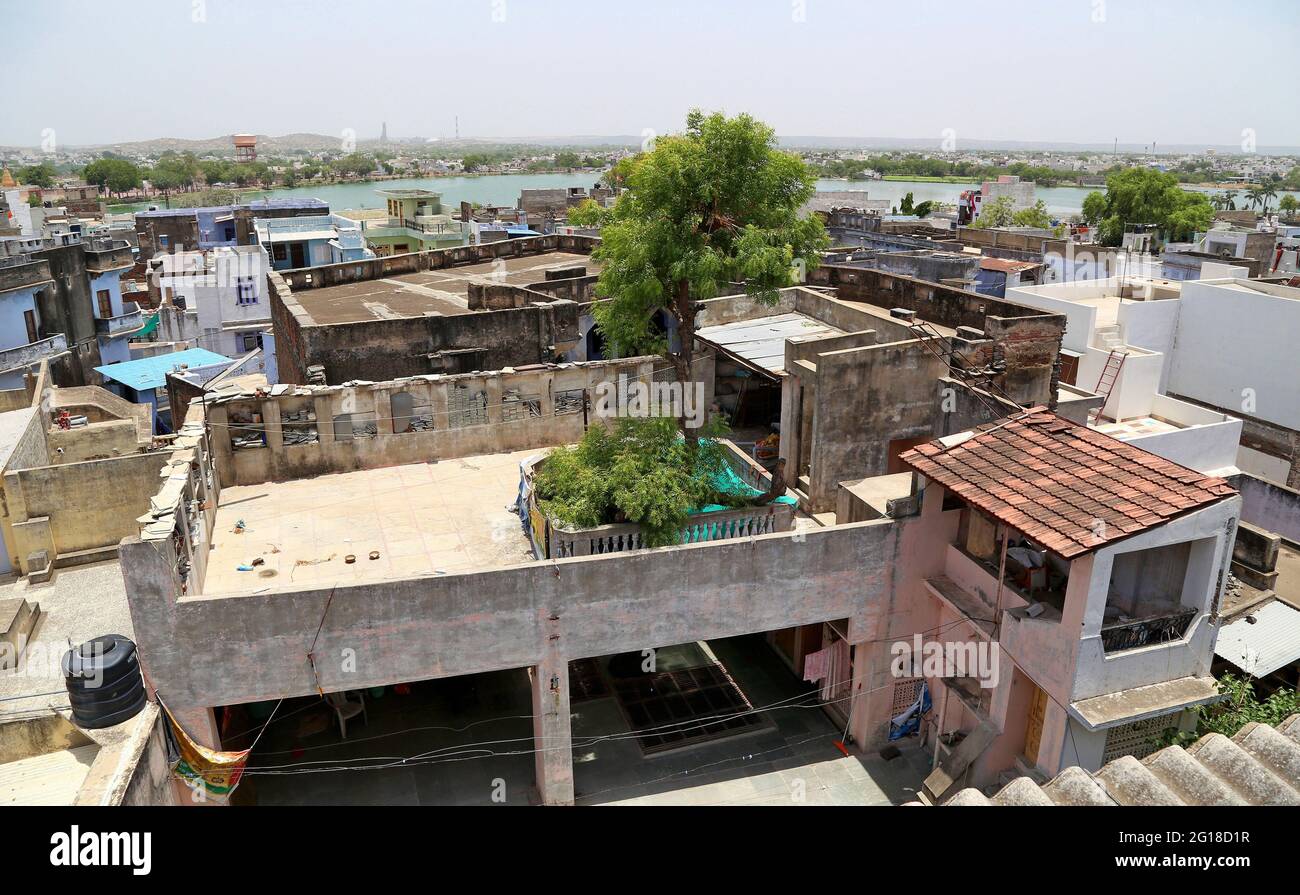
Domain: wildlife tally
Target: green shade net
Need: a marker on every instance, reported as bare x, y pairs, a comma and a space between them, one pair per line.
149, 326
728, 482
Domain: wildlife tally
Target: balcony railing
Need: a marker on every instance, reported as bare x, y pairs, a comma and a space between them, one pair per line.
719, 526
1147, 631
132, 319
34, 352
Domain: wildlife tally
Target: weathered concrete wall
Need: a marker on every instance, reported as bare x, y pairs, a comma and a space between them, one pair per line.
1268, 506
446, 431
944, 305
441, 626
866, 398
99, 405
1028, 349
131, 767
150, 781
388, 349
96, 441
14, 399
498, 296
67, 307
88, 505
30, 450
958, 407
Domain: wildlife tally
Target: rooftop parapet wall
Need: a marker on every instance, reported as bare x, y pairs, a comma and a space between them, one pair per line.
217, 650
315, 430
27, 275
435, 259
943, 305
182, 514
537, 322
847, 316
410, 346
1024, 343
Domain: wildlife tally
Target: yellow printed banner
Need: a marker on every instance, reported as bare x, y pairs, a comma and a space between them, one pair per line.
210, 774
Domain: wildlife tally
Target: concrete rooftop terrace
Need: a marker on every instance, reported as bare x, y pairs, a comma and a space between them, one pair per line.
435, 518
428, 292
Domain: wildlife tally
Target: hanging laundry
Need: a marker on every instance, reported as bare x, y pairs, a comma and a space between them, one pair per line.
816, 665
839, 671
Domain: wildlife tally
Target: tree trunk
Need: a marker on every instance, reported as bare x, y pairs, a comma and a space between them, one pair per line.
684, 308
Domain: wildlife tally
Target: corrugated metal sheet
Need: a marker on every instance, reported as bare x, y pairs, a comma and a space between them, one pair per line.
762, 341
1272, 642
151, 372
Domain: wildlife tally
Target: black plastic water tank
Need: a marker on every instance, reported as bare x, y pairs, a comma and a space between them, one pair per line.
104, 683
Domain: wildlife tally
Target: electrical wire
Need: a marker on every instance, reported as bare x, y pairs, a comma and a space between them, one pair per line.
686, 725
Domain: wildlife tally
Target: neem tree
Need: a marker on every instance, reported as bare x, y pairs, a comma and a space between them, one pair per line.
1146, 196
717, 204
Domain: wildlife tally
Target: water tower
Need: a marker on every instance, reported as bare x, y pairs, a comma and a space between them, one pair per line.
245, 147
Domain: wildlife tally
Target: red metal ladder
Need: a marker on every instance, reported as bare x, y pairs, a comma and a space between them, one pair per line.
1106, 382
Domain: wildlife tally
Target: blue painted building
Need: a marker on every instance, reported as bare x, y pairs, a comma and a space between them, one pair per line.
116, 320
173, 229
22, 341
144, 381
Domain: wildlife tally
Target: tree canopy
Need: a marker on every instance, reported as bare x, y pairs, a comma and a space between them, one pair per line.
588, 213
717, 204
1146, 196
636, 470
41, 175
117, 175
174, 171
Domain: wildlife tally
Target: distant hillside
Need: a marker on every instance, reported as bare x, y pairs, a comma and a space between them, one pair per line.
224, 144
305, 142
269, 146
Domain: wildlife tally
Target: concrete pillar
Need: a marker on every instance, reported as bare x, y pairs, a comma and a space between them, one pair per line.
384, 423
552, 732
199, 723
546, 390
438, 406
272, 425
493, 388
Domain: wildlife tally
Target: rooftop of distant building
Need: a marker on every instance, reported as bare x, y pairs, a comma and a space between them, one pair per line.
442, 291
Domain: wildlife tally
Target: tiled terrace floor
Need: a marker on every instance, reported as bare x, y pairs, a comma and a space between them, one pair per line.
423, 518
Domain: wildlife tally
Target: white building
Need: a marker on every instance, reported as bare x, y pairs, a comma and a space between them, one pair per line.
1206, 354
218, 300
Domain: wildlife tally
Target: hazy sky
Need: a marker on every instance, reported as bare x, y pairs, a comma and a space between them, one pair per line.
1176, 71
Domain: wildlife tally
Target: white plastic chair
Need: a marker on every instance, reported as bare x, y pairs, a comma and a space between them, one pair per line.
346, 709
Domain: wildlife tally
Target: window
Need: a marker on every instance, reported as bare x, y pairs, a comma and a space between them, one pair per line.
105, 299
164, 240
279, 252
246, 291
250, 341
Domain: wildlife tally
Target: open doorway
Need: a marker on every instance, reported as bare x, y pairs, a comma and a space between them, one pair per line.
464, 740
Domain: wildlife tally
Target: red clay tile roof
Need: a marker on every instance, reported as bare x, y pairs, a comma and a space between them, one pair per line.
1053, 480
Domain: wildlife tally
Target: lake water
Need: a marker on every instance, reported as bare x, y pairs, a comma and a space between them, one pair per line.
503, 189
1061, 201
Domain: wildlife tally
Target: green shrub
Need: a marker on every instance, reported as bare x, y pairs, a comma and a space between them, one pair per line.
637, 470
